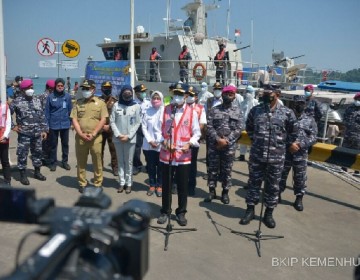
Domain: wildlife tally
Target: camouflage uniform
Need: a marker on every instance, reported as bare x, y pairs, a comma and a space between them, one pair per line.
30, 119
306, 137
270, 133
223, 122
313, 109
352, 127
108, 135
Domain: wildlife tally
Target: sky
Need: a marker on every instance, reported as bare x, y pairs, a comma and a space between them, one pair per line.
327, 32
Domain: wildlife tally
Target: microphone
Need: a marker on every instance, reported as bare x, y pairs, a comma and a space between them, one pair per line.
173, 110
267, 110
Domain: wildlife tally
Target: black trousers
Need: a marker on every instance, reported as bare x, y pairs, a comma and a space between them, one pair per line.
193, 169
53, 142
139, 141
4, 158
181, 179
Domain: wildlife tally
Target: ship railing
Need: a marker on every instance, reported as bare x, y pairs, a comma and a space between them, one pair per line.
198, 71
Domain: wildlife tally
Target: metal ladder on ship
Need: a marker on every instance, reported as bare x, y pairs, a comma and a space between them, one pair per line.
189, 41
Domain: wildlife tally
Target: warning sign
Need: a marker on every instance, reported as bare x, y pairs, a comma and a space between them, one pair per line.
70, 48
46, 47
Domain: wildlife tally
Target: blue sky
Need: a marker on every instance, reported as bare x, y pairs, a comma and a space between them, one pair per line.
325, 31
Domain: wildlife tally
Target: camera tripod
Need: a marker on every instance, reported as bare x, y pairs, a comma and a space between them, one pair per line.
169, 229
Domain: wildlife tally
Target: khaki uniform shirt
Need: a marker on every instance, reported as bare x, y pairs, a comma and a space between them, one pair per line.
89, 113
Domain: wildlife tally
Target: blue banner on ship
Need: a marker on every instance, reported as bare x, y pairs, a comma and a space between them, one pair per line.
117, 72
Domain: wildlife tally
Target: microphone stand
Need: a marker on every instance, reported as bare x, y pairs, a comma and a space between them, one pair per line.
169, 229
258, 236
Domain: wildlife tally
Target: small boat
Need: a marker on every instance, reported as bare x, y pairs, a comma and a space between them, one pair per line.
333, 85
34, 76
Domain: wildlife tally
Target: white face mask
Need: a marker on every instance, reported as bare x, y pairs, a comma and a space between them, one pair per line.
249, 96
190, 99
217, 93
29, 92
178, 99
86, 93
357, 102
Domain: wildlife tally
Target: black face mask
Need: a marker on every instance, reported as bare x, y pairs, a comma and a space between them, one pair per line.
299, 108
267, 99
227, 100
107, 92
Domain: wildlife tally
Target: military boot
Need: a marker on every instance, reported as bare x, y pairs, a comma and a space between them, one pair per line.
225, 196
211, 196
38, 175
268, 218
249, 215
23, 177
298, 205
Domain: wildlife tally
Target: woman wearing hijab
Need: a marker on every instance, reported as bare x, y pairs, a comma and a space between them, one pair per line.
151, 145
125, 120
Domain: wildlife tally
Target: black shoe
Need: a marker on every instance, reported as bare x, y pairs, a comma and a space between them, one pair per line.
211, 196
344, 169
52, 167
128, 189
38, 175
120, 189
225, 197
298, 205
136, 171
66, 166
162, 219
81, 189
242, 158
23, 177
279, 198
268, 218
249, 215
181, 219
205, 176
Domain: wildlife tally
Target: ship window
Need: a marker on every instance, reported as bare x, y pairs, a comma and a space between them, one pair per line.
137, 52
162, 47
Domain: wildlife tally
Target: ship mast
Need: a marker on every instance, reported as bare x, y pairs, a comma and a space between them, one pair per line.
228, 20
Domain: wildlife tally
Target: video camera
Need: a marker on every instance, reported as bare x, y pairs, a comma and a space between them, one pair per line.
85, 241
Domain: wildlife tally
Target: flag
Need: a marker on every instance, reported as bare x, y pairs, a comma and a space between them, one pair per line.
237, 32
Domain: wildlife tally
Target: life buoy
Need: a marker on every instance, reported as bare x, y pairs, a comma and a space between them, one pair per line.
199, 71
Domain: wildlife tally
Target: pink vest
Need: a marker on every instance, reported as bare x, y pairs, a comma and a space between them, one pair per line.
182, 133
198, 109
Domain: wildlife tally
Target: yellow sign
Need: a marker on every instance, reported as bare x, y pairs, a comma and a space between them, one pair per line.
70, 48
